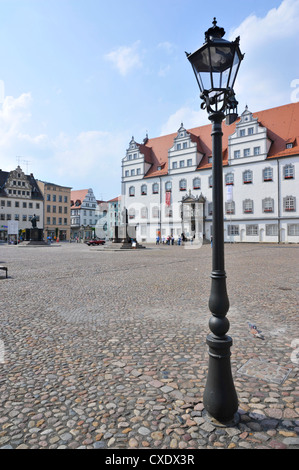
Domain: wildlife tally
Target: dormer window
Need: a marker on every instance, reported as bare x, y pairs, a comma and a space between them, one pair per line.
289, 145
159, 168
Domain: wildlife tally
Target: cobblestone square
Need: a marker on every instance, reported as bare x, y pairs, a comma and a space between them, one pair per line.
106, 349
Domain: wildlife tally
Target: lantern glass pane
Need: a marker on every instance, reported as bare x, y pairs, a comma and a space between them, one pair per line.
221, 58
234, 71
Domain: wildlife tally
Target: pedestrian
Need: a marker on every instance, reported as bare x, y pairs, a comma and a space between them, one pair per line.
157, 240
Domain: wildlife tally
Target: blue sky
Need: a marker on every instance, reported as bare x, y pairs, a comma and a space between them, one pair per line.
78, 78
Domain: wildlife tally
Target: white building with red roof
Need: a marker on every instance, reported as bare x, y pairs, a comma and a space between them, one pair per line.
83, 214
167, 181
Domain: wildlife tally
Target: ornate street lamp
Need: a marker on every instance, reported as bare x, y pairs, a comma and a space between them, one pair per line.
216, 65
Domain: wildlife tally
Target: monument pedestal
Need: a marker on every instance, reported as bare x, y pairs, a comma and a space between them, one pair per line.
34, 236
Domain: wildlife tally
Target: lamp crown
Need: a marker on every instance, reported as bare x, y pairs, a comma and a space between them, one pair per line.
215, 31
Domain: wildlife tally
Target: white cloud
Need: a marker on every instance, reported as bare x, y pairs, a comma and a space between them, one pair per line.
88, 159
125, 58
270, 64
188, 117
167, 47
13, 114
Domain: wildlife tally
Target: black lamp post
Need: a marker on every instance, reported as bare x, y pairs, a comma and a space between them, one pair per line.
216, 65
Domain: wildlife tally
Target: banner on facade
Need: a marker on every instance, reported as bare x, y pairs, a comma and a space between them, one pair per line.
167, 198
12, 227
229, 193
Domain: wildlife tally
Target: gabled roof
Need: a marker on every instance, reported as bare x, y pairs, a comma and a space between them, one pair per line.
78, 195
282, 125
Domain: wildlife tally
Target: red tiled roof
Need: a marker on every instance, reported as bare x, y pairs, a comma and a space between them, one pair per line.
78, 195
118, 198
282, 125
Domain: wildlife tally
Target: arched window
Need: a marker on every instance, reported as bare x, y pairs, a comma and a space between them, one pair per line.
268, 174
211, 181
268, 204
183, 185
155, 188
143, 190
229, 179
248, 206
288, 171
247, 176
289, 203
196, 183
132, 213
168, 186
155, 212
131, 191
144, 212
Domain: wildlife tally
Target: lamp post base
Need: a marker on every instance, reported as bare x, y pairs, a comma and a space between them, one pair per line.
220, 398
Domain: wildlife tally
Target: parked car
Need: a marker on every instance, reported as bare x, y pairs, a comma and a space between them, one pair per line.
95, 242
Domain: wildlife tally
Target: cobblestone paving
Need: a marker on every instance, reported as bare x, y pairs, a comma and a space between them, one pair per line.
107, 349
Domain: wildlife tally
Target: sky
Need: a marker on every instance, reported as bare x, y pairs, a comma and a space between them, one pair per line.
79, 78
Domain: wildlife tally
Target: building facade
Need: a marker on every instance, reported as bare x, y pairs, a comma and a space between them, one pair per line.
167, 181
20, 200
83, 214
57, 221
113, 217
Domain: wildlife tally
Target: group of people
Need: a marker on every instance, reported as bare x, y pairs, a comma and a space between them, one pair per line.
170, 240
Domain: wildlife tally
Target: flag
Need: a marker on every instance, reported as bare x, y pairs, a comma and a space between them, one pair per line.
167, 198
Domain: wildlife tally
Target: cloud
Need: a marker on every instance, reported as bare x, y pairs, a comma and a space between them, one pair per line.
125, 58
271, 46
167, 47
187, 116
15, 112
87, 159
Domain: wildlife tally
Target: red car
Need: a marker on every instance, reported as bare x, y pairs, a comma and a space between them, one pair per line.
95, 242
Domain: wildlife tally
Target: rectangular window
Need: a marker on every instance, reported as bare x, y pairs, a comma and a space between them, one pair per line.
178, 147
250, 131
189, 162
174, 165
246, 152
233, 229
237, 154
182, 164
271, 230
256, 150
293, 230
127, 173
242, 132
251, 230
184, 145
